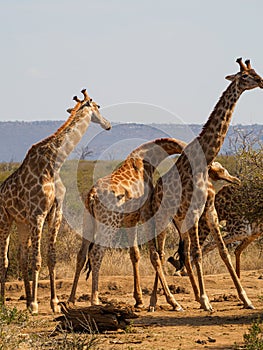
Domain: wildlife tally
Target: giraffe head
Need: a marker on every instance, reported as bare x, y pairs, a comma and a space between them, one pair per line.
93, 107
246, 78
217, 172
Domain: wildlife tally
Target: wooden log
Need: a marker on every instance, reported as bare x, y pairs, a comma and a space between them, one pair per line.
97, 318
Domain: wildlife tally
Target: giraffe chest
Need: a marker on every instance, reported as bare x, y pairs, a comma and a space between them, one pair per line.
180, 197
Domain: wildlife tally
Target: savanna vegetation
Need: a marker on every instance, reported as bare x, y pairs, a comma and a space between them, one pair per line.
245, 161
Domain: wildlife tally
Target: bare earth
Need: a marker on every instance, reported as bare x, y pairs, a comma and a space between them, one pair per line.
164, 329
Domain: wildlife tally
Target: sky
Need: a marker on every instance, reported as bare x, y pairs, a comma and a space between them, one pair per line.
143, 61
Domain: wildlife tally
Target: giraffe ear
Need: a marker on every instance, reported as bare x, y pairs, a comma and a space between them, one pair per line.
231, 77
69, 110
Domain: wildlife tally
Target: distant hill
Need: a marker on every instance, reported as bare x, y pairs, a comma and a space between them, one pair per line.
17, 137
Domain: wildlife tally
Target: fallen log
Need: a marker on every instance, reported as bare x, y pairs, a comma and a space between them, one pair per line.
96, 318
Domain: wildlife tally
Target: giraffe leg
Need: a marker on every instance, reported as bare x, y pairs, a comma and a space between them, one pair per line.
153, 224
153, 299
157, 264
88, 232
188, 265
135, 258
197, 259
242, 246
214, 228
54, 222
36, 232
161, 243
5, 225
24, 237
81, 259
4, 237
96, 255
137, 293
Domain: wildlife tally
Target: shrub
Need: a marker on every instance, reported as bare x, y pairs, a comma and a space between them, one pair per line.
254, 338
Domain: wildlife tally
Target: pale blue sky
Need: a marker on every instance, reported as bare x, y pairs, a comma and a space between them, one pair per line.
169, 53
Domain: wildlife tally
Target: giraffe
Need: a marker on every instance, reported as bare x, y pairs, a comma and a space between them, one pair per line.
237, 226
181, 194
117, 200
34, 193
168, 147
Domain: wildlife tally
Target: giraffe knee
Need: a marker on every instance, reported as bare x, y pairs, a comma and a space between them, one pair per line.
6, 263
162, 257
51, 264
224, 253
38, 263
197, 256
81, 257
52, 258
135, 255
155, 258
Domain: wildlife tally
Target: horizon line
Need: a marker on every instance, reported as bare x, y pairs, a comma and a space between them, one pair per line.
122, 122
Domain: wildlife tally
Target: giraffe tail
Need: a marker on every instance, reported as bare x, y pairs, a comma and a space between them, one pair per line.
88, 266
178, 263
87, 269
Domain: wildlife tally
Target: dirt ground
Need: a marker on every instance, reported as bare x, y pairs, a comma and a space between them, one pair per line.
164, 329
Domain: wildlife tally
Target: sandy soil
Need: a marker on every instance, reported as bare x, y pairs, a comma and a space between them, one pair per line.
164, 329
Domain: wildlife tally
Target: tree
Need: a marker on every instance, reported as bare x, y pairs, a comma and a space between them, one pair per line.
83, 152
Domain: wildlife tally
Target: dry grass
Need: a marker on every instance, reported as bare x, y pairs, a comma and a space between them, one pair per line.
117, 262
251, 259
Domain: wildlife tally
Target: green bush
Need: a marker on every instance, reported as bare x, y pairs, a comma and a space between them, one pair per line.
12, 315
254, 338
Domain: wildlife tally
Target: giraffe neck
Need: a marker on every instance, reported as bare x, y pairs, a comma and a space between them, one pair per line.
154, 152
57, 147
214, 131
71, 135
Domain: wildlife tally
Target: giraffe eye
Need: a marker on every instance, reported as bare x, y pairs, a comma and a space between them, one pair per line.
245, 76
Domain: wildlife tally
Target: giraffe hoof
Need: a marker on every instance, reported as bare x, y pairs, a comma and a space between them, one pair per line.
151, 308
178, 308
54, 303
56, 309
205, 304
209, 309
33, 308
139, 306
250, 306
